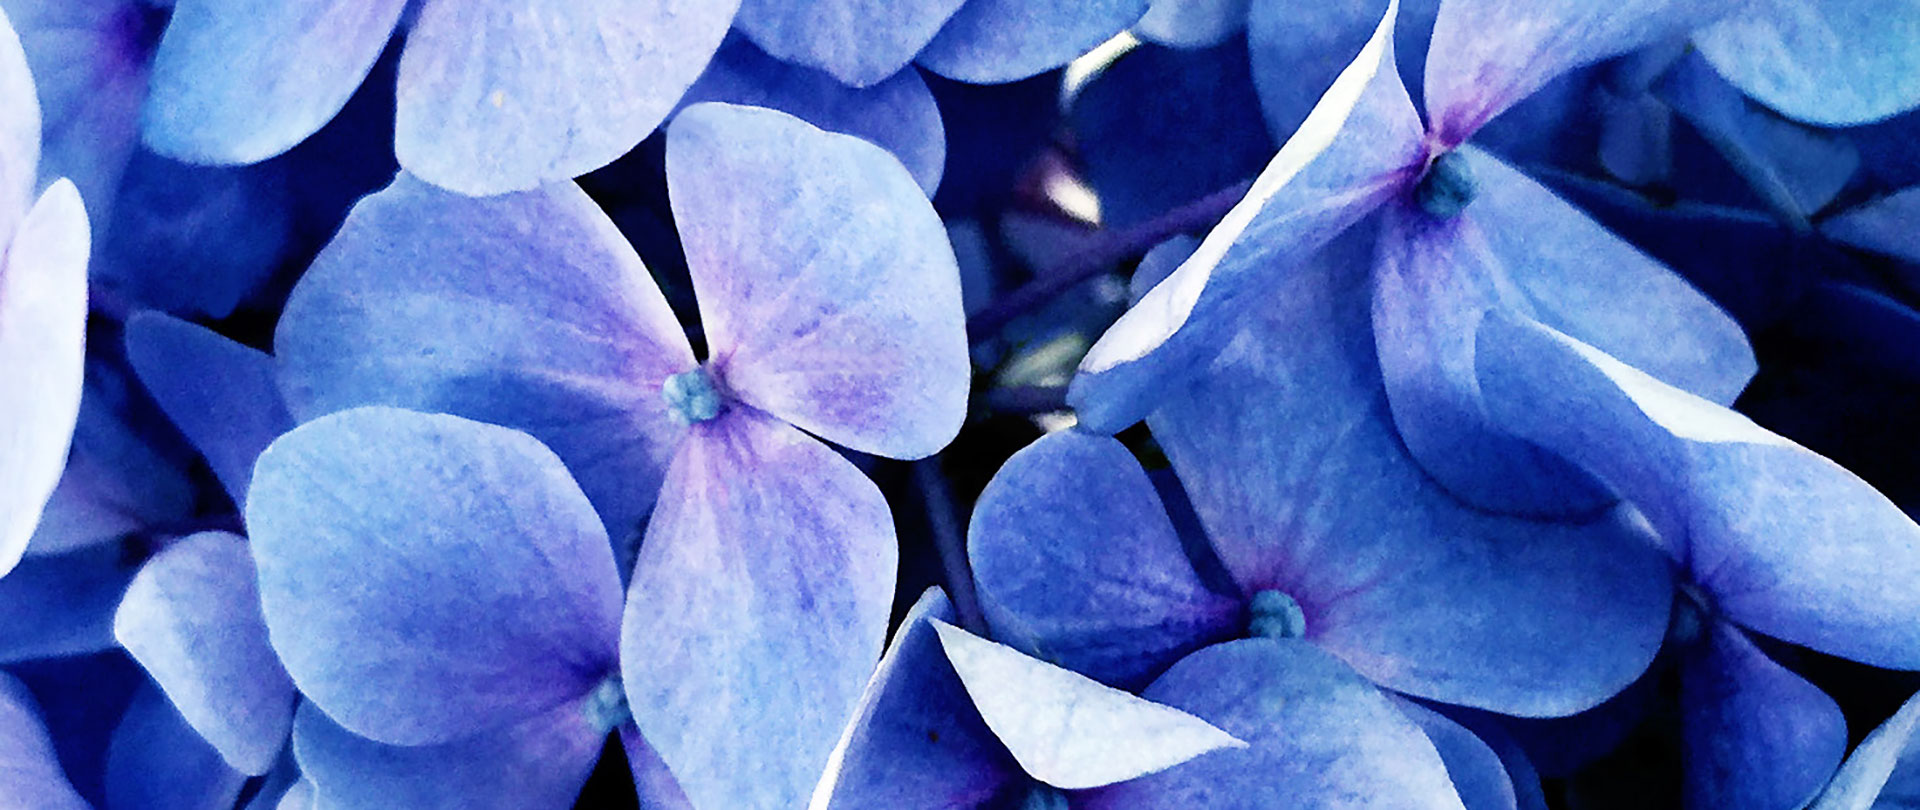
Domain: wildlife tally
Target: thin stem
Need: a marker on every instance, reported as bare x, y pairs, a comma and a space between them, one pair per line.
1110, 248
943, 518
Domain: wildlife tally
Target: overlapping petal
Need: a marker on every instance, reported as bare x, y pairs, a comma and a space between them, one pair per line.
1288, 451
536, 764
1078, 564
30, 776
62, 604
1478, 775
425, 577
1881, 766
1757, 735
224, 396
497, 97
896, 112
828, 290
409, 303
239, 81
1067, 730
1830, 62
916, 739
1192, 23
1785, 541
996, 41
1358, 146
156, 761
43, 319
859, 42
19, 132
1318, 736
1889, 225
191, 617
1487, 55
768, 555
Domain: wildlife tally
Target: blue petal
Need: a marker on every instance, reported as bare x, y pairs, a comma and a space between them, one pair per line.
1355, 150
1884, 758
1192, 23
996, 41
191, 617
1477, 773
896, 112
239, 81
1889, 225
1785, 541
769, 555
1796, 169
62, 604
156, 761
198, 239
1078, 564
43, 320
1068, 730
19, 132
1297, 48
34, 778
496, 97
1319, 736
916, 740
828, 290
537, 764
425, 577
123, 475
1756, 735
1411, 588
1829, 62
407, 305
1486, 55
223, 396
859, 42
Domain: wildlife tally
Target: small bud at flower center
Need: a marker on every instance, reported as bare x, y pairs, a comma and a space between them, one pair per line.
1447, 187
1276, 615
606, 706
692, 395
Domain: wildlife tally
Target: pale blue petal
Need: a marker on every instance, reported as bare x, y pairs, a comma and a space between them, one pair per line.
156, 761
1829, 62
537, 764
30, 776
1756, 734
996, 41
223, 396
859, 42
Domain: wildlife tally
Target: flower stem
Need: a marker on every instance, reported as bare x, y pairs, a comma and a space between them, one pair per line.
943, 519
1111, 248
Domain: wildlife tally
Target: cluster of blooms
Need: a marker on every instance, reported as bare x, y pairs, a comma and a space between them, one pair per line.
351, 456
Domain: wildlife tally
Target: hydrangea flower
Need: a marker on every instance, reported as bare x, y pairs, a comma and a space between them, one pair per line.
1827, 62
830, 304
493, 97
1333, 538
862, 42
43, 309
1461, 234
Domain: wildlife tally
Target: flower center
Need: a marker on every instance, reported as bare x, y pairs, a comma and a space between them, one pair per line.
1447, 187
606, 707
693, 395
1044, 797
1691, 612
1276, 615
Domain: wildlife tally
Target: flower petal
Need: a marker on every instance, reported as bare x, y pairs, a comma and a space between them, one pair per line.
43, 320
896, 112
425, 577
1351, 154
240, 81
1487, 55
507, 96
1078, 564
191, 617
1835, 63
1786, 542
156, 761
829, 292
997, 41
223, 396
768, 555
537, 764
1192, 23
19, 132
34, 778
62, 604
1478, 775
407, 304
1889, 225
1413, 589
916, 739
1067, 730
1887, 751
858, 42
1319, 736
1756, 735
